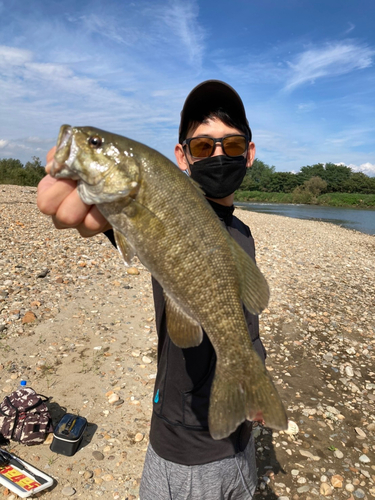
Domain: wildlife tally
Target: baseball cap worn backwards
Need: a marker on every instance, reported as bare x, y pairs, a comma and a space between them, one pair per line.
210, 96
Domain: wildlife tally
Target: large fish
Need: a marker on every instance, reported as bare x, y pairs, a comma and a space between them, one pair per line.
161, 216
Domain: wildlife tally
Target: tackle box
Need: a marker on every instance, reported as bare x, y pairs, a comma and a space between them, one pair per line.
68, 434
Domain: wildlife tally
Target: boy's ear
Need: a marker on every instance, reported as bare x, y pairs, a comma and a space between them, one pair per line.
250, 154
180, 157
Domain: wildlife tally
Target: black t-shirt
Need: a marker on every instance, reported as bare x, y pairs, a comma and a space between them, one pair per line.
179, 428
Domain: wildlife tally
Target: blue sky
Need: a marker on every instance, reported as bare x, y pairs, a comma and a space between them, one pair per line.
305, 70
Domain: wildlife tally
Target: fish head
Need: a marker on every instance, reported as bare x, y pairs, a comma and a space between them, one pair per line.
103, 164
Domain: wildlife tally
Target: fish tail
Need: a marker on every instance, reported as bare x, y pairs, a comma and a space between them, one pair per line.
240, 394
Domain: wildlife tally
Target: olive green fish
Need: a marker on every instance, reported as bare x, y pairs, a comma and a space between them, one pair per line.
161, 215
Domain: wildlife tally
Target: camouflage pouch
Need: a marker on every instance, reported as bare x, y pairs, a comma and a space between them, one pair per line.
24, 417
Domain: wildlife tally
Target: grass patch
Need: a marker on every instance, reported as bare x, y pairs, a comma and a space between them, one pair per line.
347, 200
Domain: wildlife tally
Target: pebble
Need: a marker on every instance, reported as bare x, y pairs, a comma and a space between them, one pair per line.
359, 493
303, 489
107, 477
325, 489
113, 398
292, 428
98, 455
68, 491
365, 459
138, 437
360, 432
337, 481
29, 317
132, 270
308, 454
338, 454
146, 360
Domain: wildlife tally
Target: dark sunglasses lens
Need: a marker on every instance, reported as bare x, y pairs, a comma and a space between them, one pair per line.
201, 147
234, 145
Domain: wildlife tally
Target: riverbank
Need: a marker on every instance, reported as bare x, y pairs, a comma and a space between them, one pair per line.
351, 200
80, 330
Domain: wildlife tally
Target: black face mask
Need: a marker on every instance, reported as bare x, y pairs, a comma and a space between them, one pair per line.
219, 176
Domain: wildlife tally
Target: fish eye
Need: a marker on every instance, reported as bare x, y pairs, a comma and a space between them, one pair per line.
95, 141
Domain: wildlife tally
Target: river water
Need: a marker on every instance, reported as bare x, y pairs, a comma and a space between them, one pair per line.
350, 218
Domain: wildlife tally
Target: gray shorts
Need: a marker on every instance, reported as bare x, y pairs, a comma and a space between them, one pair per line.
233, 478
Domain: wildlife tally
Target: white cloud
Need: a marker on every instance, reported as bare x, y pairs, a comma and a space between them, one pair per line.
11, 56
331, 60
305, 107
351, 28
3, 143
367, 168
182, 18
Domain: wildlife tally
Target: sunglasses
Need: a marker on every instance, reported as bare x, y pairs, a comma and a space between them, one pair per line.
203, 147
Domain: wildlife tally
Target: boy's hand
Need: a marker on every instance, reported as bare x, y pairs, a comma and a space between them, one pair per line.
60, 199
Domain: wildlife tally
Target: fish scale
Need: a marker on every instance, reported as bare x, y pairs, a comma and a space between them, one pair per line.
161, 215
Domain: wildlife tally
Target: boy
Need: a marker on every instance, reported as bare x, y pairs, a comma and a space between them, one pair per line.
183, 461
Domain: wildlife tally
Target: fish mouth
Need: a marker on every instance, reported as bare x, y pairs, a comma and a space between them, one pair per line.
66, 153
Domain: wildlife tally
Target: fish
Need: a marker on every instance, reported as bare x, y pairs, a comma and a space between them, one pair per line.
161, 215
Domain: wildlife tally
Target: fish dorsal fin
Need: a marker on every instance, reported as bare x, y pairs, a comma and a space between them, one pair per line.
253, 285
127, 252
183, 330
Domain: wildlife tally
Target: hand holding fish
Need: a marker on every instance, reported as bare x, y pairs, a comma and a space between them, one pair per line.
60, 199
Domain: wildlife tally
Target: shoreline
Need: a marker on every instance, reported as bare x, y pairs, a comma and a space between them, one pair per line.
257, 202
337, 200
91, 334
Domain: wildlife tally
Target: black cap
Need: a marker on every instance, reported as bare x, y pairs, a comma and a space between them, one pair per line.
209, 96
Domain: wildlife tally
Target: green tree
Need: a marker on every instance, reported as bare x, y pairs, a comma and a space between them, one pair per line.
309, 191
281, 182
309, 171
335, 176
34, 171
257, 176
359, 182
13, 172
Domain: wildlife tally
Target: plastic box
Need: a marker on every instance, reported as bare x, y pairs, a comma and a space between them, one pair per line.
68, 434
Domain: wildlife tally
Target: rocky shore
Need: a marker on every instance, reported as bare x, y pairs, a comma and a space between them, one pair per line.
81, 330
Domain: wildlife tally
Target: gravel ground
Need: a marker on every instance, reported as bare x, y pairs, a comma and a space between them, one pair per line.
81, 331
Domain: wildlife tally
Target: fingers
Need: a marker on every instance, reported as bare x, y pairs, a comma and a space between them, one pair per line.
93, 223
60, 199
50, 156
52, 193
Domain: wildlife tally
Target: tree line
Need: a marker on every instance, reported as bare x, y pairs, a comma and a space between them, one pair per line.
14, 172
310, 181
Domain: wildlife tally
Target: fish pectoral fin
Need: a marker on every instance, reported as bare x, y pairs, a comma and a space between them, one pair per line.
127, 252
183, 330
144, 218
253, 285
